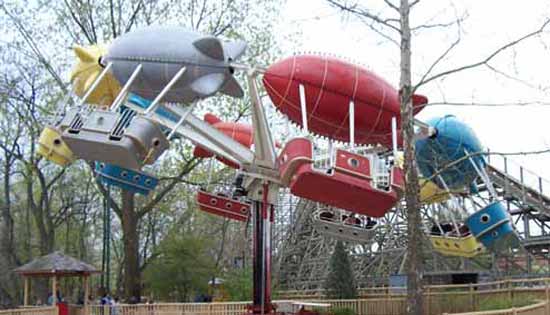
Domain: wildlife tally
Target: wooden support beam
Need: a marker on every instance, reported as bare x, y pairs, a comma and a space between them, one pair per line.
54, 290
86, 294
26, 293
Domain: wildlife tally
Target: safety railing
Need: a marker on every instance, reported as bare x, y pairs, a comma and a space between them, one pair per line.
541, 308
524, 176
438, 299
50, 310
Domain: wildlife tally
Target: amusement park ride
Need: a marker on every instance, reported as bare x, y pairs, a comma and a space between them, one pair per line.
139, 93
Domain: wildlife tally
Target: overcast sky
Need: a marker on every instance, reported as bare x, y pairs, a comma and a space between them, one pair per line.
486, 26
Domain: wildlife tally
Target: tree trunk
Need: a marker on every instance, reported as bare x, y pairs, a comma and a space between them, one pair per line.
414, 247
46, 234
7, 238
132, 274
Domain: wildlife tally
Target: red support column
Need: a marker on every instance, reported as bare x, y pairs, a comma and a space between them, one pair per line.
262, 220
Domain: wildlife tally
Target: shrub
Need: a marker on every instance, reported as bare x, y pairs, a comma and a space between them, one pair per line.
342, 311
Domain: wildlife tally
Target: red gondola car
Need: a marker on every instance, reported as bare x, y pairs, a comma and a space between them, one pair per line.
354, 182
223, 206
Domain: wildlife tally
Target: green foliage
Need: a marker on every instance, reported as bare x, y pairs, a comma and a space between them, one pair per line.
238, 284
181, 268
342, 311
496, 303
340, 282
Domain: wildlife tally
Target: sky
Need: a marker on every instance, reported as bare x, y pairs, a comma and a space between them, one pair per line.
520, 74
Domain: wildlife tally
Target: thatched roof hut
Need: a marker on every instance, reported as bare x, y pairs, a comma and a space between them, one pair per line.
56, 264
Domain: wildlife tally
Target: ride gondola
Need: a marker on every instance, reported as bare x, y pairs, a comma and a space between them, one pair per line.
344, 226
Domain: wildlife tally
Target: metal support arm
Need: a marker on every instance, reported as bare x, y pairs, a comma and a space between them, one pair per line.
264, 149
203, 134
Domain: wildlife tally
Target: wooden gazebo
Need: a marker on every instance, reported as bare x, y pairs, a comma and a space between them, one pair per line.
53, 266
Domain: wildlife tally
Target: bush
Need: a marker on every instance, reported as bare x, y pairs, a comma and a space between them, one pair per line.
340, 283
499, 304
342, 311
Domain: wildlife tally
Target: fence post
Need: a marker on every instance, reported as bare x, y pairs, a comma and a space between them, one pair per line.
547, 290
428, 300
509, 285
472, 301
512, 291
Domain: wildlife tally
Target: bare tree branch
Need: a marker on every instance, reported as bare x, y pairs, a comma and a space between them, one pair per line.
91, 20
112, 14
391, 5
437, 25
78, 22
372, 25
487, 59
38, 53
189, 166
445, 53
353, 9
510, 77
412, 4
133, 17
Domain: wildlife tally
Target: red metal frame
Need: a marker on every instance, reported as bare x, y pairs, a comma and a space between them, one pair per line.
263, 217
349, 186
223, 206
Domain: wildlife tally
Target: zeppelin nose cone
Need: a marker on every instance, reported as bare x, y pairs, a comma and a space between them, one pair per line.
164, 51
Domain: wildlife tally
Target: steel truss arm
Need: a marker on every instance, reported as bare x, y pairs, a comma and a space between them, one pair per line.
202, 134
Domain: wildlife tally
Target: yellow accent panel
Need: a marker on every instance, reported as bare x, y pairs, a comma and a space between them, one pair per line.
52, 147
431, 193
87, 70
466, 246
400, 159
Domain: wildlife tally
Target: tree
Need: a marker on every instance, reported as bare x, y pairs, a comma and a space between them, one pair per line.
412, 190
238, 283
180, 269
340, 283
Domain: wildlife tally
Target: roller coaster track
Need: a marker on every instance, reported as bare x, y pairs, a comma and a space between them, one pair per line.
303, 264
514, 189
525, 191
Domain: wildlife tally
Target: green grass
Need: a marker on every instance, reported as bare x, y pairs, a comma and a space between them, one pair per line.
342, 311
499, 304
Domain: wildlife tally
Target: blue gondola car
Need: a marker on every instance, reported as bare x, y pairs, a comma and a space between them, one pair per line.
452, 140
161, 111
492, 227
145, 103
131, 180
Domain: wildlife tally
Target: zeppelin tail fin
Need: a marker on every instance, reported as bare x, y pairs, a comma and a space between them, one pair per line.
234, 49
210, 46
83, 54
418, 101
208, 84
232, 87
